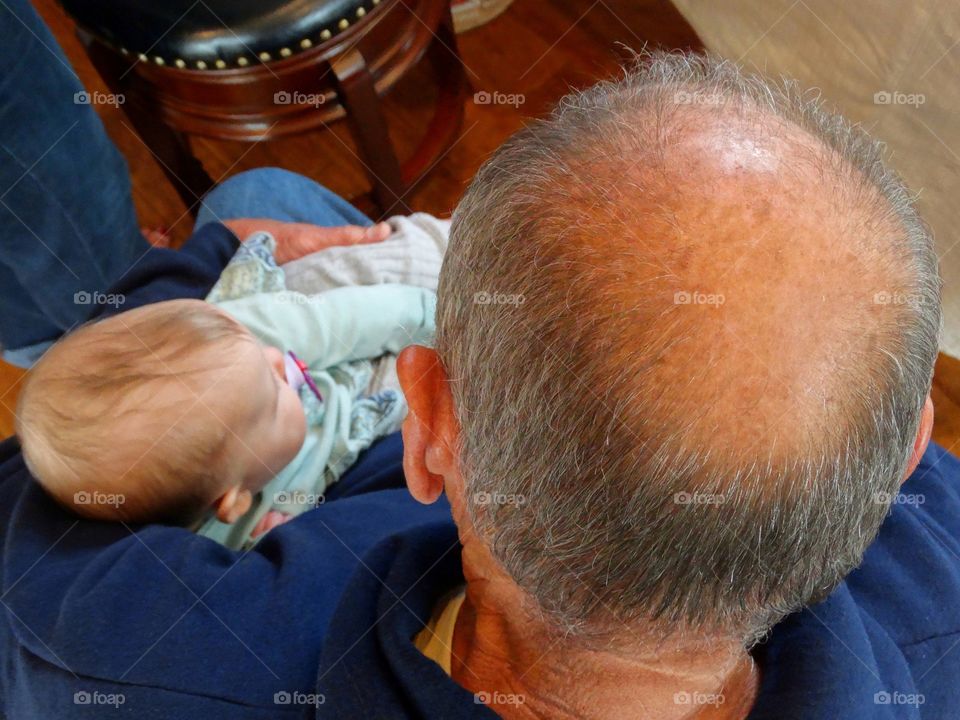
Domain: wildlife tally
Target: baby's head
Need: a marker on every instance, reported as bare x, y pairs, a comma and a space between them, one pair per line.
159, 414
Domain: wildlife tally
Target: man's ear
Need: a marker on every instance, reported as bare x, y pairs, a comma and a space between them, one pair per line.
430, 430
923, 437
233, 504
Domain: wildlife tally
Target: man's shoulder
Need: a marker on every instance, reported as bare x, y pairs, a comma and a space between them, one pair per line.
910, 576
886, 635
907, 588
157, 607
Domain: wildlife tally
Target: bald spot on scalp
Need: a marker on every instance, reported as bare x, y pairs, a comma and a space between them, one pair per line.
758, 212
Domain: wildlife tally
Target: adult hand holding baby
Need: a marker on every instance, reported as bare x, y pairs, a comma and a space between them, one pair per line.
295, 240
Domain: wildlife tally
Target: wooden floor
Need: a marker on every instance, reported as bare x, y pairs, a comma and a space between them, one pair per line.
536, 50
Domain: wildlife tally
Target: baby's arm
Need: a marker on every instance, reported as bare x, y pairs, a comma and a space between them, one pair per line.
349, 323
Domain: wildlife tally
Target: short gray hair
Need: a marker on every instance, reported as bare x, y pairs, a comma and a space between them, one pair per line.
570, 501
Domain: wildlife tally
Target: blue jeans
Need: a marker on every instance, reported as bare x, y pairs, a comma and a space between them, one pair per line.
67, 222
278, 195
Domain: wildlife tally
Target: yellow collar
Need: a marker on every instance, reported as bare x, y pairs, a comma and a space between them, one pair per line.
436, 639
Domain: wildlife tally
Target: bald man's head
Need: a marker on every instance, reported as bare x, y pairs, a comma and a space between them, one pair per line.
723, 331
745, 259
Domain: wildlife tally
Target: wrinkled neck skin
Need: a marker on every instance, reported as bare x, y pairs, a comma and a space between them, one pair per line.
522, 672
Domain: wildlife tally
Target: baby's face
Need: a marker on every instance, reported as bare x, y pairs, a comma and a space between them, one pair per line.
271, 424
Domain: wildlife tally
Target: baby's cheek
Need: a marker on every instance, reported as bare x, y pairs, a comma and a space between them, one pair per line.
295, 426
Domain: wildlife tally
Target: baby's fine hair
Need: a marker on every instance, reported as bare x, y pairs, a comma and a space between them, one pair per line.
115, 420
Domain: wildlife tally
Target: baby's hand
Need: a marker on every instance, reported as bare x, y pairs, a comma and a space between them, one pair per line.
269, 521
294, 240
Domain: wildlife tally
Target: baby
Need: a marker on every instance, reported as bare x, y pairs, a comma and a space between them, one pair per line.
176, 413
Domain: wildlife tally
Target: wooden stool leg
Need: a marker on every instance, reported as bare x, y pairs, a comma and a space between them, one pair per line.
171, 148
358, 95
444, 57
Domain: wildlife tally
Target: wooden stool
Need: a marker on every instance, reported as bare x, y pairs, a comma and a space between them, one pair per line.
261, 69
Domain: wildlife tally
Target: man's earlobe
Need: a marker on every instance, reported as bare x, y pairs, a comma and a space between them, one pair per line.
424, 382
923, 437
425, 486
233, 504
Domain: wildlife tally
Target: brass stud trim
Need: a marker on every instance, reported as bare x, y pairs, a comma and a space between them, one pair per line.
304, 44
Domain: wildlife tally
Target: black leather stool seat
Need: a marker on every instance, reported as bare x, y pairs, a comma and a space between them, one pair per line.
216, 34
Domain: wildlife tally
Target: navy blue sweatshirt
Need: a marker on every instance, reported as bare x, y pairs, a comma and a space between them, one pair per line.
103, 620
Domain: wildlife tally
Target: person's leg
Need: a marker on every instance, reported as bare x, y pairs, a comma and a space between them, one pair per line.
278, 195
67, 223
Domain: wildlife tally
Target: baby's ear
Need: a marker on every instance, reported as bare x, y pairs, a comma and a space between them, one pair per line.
233, 504
277, 360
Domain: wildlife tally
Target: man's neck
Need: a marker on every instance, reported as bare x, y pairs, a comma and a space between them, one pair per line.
522, 672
